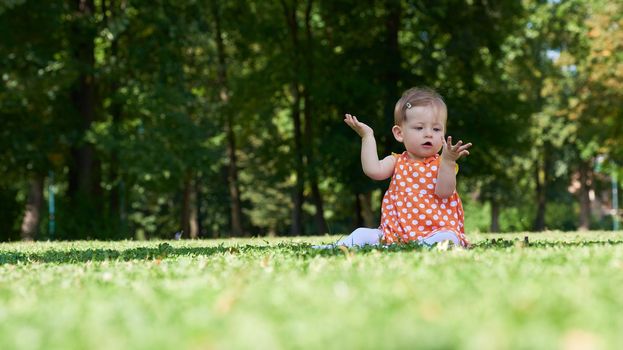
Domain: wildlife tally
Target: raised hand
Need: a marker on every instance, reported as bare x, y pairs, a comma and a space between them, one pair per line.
455, 152
359, 127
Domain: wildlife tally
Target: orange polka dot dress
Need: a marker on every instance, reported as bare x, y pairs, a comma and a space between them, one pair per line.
411, 211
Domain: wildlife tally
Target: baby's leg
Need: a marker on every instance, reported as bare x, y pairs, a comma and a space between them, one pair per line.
360, 237
441, 236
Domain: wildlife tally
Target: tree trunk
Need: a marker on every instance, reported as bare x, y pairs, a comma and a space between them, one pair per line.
297, 191
234, 187
186, 205
541, 164
321, 224
32, 212
189, 208
366, 210
193, 225
199, 206
495, 216
232, 176
358, 217
585, 202
84, 174
541, 198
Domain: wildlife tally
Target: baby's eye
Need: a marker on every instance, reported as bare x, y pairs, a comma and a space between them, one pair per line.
436, 129
418, 128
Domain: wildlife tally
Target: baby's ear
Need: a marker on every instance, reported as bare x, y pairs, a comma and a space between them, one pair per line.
397, 131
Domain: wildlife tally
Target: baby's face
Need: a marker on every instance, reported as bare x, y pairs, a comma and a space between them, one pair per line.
423, 131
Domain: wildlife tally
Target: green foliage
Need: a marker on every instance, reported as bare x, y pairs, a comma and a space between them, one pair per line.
534, 85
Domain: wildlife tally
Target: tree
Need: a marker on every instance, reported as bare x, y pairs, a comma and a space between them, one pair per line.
222, 81
32, 94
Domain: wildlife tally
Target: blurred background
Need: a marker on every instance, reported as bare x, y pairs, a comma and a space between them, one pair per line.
135, 119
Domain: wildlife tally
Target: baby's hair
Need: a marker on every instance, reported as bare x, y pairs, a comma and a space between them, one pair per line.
418, 96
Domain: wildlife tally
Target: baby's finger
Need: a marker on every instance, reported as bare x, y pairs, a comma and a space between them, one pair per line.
458, 144
449, 142
350, 122
464, 153
464, 147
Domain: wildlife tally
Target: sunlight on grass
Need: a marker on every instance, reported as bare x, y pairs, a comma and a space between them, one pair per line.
556, 290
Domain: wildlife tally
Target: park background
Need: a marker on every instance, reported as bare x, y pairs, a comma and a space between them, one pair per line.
133, 119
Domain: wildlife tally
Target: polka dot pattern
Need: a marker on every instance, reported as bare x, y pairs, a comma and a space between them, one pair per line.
410, 209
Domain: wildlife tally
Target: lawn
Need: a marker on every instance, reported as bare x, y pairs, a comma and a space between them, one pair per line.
558, 291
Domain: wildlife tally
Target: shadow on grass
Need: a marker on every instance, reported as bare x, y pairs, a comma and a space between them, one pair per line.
162, 251
165, 250
525, 243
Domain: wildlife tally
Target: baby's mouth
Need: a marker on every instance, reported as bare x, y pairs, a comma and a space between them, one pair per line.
427, 144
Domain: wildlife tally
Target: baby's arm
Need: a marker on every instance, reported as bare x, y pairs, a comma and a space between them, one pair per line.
373, 167
446, 177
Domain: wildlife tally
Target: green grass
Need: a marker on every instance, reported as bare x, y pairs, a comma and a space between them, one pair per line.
560, 291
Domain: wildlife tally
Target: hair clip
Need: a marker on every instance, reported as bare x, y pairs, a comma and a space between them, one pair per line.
408, 105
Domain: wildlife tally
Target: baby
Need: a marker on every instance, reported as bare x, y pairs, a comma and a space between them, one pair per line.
421, 203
